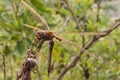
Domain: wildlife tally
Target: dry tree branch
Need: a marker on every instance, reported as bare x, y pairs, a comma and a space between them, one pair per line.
4, 66
37, 15
28, 65
86, 47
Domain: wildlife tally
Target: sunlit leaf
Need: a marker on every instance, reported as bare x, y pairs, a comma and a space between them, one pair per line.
41, 56
64, 11
28, 41
3, 38
15, 37
56, 55
20, 47
14, 57
38, 4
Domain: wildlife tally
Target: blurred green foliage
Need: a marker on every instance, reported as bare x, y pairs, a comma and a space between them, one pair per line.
14, 38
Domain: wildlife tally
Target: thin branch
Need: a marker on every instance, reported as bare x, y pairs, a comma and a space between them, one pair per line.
86, 71
37, 15
73, 15
4, 66
98, 10
86, 47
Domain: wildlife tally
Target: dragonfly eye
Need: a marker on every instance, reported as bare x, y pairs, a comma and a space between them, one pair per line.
40, 34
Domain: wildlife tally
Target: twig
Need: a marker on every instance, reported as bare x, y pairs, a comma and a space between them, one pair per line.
86, 71
73, 15
4, 66
98, 10
37, 15
86, 47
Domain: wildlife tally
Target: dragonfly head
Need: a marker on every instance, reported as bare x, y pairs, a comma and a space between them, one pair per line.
40, 34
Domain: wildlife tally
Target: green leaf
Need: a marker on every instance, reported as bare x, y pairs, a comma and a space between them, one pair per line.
15, 37
20, 47
3, 38
28, 41
56, 55
40, 6
64, 11
14, 57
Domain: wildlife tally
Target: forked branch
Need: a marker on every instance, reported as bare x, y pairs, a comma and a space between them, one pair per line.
86, 47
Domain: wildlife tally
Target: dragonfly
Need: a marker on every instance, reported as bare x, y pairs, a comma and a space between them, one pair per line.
41, 36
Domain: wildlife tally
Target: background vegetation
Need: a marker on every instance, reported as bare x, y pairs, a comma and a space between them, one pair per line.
14, 38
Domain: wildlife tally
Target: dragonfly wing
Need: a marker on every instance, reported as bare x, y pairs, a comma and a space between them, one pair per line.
32, 27
82, 49
81, 33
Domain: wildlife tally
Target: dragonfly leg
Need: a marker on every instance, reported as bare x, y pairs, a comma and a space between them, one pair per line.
34, 43
51, 45
40, 45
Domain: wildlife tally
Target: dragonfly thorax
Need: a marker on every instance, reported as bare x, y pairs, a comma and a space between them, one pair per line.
45, 35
